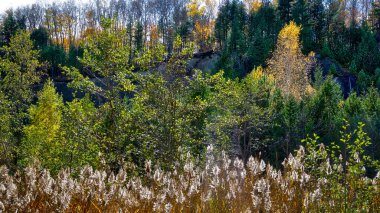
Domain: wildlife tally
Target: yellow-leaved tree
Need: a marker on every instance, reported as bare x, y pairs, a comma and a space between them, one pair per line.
42, 135
201, 12
253, 5
195, 8
288, 65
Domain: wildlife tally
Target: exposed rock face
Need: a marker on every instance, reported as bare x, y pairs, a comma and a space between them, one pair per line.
344, 78
204, 61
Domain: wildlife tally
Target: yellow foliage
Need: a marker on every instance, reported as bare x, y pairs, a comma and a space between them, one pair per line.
257, 73
45, 116
309, 89
204, 30
289, 36
253, 5
202, 33
288, 65
195, 8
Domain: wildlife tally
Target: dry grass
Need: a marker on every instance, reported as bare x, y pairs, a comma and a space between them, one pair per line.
221, 185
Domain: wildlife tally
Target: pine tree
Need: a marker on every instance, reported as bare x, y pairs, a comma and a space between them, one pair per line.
301, 17
138, 38
262, 32
316, 12
367, 57
9, 28
284, 9
40, 37
223, 24
362, 82
324, 114
375, 18
232, 35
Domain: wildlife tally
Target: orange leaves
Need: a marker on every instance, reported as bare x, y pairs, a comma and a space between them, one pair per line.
203, 33
154, 35
204, 30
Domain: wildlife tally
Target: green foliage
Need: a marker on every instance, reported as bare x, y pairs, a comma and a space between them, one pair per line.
241, 116
323, 110
332, 70
262, 32
230, 32
362, 82
19, 68
300, 15
151, 57
343, 167
9, 28
326, 52
55, 56
40, 37
19, 72
79, 135
139, 37
365, 109
162, 116
318, 77
316, 11
151, 106
310, 15
284, 10
367, 56
116, 72
7, 146
43, 139
73, 56
377, 78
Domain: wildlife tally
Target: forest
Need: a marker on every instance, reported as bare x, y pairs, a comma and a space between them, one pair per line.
190, 106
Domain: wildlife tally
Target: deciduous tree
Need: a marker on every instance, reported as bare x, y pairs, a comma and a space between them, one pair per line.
288, 65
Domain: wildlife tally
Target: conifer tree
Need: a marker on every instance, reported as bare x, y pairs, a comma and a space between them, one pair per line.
367, 57
9, 28
262, 32
324, 114
284, 9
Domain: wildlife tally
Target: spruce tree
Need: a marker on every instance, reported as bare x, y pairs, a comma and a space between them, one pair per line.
367, 57
284, 9
9, 28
